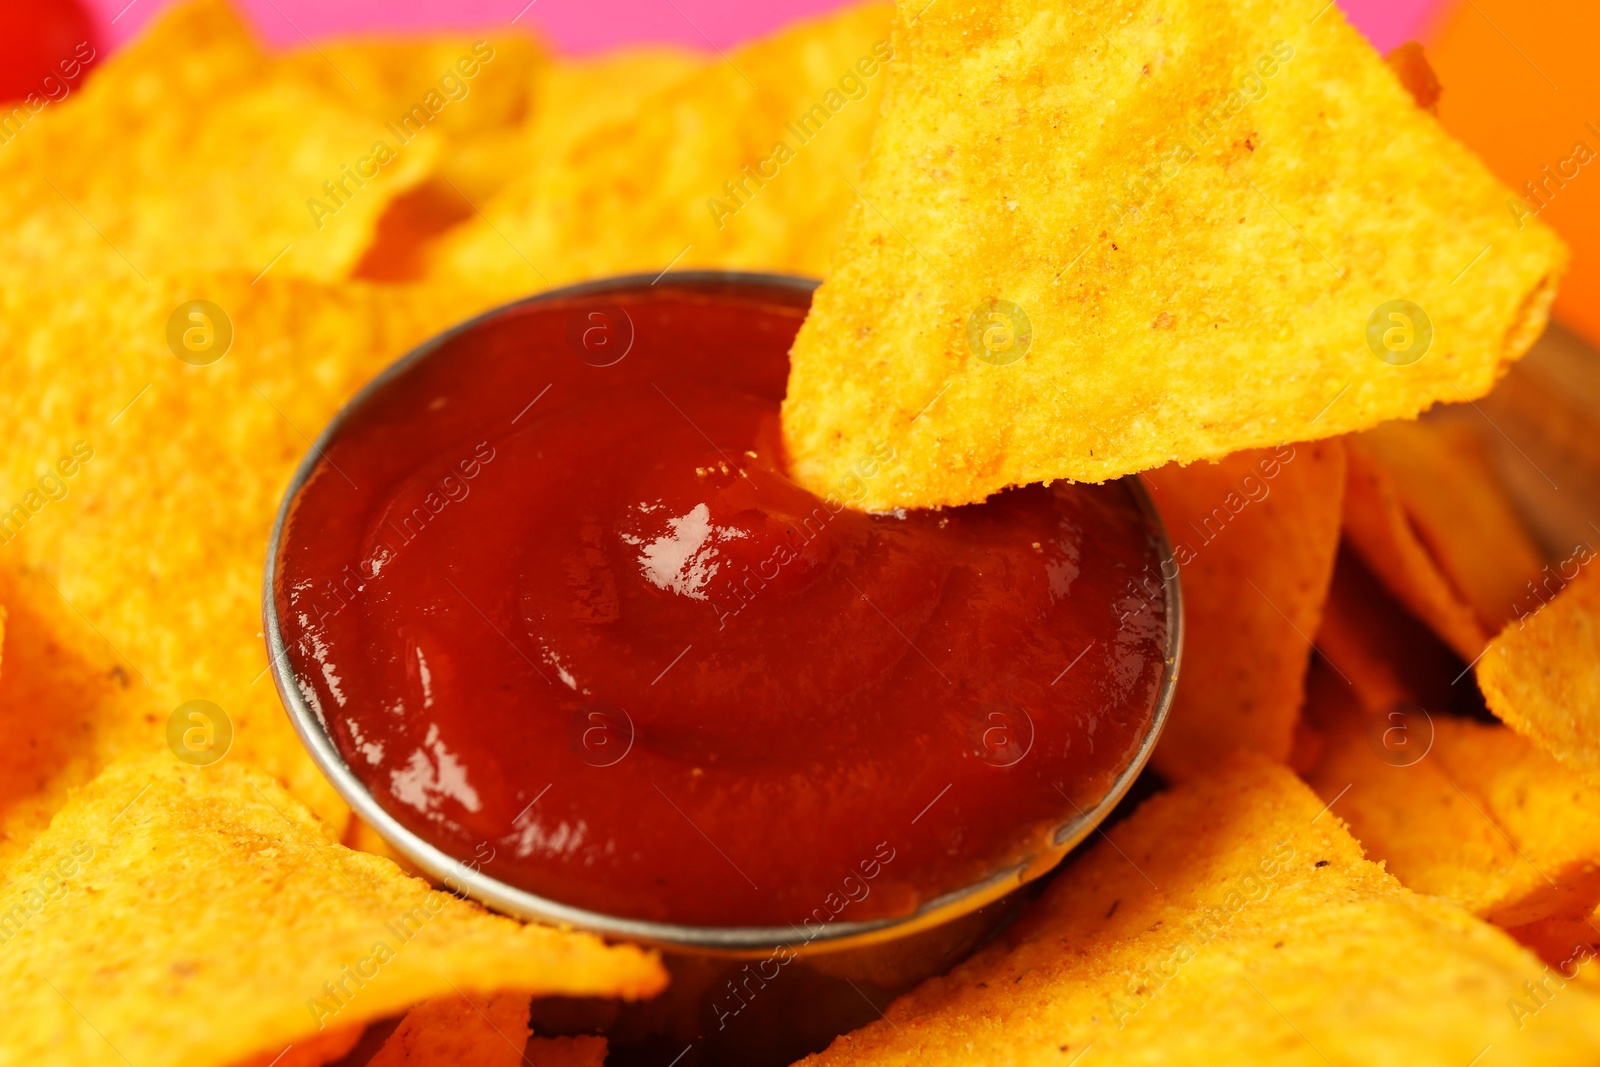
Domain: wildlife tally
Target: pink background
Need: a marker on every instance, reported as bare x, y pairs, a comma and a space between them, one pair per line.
578, 26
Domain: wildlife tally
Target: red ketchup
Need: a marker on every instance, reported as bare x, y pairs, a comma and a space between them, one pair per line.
560, 608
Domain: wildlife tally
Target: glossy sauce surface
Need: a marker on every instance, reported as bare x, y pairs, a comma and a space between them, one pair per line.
560, 609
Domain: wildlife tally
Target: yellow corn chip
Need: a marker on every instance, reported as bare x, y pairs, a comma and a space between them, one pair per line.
454, 1030
201, 916
579, 96
68, 705
152, 547
1569, 945
474, 94
571, 98
1376, 649
1234, 914
1426, 511
1097, 238
1466, 811
745, 163
1254, 537
192, 150
1542, 676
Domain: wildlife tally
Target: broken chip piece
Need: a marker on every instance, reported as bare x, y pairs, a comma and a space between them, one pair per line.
1100, 239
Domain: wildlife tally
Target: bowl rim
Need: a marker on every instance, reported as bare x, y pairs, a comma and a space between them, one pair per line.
469, 881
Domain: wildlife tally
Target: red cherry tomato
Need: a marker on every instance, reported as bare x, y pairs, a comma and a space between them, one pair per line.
46, 46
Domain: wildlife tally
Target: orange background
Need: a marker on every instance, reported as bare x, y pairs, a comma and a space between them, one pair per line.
1521, 78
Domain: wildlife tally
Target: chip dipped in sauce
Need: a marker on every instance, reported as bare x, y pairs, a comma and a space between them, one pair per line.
548, 589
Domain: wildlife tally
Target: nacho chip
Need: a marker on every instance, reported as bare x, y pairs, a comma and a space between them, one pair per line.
68, 705
745, 163
581, 95
456, 1029
1376, 649
1572, 946
571, 98
192, 150
202, 916
1233, 913
1466, 811
154, 549
1542, 675
1097, 239
1426, 511
473, 94
1254, 537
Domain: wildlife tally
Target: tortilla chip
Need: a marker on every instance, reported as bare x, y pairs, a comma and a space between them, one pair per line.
1233, 913
1254, 537
454, 1030
567, 1051
68, 705
746, 163
363, 838
473, 94
1428, 514
1083, 250
1542, 674
200, 916
1378, 650
227, 170
153, 553
1569, 945
581, 95
571, 98
1466, 811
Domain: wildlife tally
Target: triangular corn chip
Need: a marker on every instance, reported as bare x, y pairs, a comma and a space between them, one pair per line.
193, 150
748, 162
1254, 537
1542, 674
1096, 238
1378, 651
68, 706
149, 554
202, 916
1426, 511
1464, 810
1234, 918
